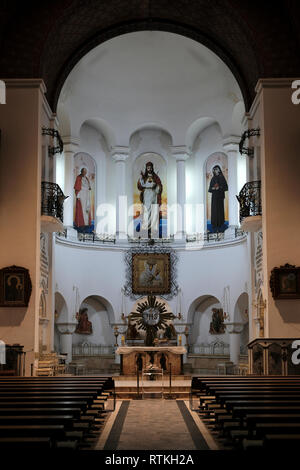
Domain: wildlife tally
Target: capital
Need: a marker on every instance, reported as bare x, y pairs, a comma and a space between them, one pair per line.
120, 154
234, 327
181, 153
231, 143
71, 143
66, 328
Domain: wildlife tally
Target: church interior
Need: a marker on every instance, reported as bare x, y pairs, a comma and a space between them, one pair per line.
149, 211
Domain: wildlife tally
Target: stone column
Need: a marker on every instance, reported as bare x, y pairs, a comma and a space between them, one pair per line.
234, 329
231, 147
71, 145
120, 156
66, 331
181, 155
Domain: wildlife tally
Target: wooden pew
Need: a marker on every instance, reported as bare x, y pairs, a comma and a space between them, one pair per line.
43, 403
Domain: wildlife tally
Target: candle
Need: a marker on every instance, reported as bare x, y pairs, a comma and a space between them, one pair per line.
123, 340
179, 340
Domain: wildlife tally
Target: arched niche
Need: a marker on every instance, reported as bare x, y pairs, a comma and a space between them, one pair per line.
200, 316
100, 315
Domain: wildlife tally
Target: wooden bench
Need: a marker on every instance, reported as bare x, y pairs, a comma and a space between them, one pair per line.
247, 408
61, 410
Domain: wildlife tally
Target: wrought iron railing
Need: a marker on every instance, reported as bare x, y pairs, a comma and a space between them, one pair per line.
89, 349
215, 348
52, 200
96, 238
208, 237
250, 199
209, 349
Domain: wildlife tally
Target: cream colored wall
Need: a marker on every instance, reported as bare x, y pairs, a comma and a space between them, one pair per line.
280, 169
20, 190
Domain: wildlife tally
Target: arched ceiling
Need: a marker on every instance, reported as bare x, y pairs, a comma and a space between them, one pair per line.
46, 39
151, 78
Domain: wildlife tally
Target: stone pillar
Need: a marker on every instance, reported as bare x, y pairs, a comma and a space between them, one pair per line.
181, 155
66, 331
120, 156
71, 145
234, 329
231, 147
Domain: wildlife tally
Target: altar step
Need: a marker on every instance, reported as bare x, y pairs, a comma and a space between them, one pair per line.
126, 387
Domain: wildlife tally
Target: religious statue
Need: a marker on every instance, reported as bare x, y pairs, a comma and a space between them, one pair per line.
217, 326
170, 332
218, 186
84, 326
132, 332
150, 187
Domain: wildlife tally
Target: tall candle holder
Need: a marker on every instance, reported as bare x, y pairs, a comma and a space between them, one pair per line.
186, 334
116, 333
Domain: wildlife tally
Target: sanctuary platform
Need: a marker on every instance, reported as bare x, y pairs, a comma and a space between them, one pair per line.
126, 386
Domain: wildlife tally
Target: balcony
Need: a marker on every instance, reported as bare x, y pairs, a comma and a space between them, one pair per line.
250, 206
52, 207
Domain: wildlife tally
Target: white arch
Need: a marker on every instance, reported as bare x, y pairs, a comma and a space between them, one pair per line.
209, 298
197, 127
241, 308
101, 126
98, 298
61, 308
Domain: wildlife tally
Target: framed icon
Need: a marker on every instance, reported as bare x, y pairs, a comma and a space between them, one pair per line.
15, 287
285, 282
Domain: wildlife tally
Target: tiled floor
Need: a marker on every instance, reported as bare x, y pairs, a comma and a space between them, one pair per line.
156, 425
153, 425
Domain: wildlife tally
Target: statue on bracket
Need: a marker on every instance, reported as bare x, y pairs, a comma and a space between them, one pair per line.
217, 326
84, 326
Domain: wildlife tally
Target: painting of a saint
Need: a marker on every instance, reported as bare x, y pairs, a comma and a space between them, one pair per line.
217, 187
288, 283
84, 188
150, 187
150, 197
84, 326
14, 288
151, 273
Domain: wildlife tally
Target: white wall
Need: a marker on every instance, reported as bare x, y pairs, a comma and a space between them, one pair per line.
199, 272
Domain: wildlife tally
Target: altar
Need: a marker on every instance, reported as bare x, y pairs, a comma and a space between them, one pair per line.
141, 357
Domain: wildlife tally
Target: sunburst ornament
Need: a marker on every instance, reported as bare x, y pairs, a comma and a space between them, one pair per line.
151, 316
